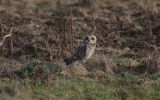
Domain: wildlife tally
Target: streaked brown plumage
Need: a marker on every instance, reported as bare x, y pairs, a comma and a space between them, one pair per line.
84, 51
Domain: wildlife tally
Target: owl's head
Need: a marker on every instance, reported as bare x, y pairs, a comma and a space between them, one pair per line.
90, 39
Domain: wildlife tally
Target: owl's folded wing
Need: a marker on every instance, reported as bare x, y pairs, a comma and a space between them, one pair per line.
79, 54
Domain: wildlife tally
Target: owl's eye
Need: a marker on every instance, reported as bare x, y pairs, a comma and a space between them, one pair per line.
86, 38
92, 38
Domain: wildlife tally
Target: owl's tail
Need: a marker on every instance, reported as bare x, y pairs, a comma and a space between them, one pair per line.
69, 61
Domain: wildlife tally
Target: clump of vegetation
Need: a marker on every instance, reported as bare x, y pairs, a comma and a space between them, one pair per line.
37, 71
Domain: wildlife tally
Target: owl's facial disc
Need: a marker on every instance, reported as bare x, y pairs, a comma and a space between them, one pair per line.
92, 39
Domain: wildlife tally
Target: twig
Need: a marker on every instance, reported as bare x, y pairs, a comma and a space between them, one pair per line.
6, 36
9, 9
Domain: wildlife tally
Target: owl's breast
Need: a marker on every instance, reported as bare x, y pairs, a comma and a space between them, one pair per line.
90, 50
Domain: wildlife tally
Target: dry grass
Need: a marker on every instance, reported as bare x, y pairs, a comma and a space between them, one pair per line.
126, 59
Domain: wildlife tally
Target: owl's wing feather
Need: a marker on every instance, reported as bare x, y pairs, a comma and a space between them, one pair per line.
78, 54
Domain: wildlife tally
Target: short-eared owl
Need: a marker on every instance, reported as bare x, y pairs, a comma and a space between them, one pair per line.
84, 50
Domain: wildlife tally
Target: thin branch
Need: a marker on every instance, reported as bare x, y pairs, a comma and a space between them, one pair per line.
6, 36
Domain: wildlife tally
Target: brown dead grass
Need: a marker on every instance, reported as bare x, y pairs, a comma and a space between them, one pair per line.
50, 30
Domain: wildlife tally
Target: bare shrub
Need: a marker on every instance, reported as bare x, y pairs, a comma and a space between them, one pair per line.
152, 62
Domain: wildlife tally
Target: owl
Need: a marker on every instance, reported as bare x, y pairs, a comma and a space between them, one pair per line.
84, 51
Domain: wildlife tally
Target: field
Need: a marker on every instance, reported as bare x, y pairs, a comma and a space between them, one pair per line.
37, 35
